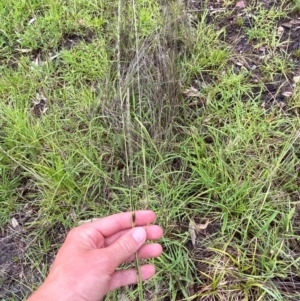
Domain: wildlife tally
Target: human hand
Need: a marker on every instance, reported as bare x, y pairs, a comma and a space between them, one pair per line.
85, 266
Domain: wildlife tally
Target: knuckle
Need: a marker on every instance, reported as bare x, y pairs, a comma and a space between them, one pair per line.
125, 245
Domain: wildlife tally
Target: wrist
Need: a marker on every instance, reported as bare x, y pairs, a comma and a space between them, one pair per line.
52, 292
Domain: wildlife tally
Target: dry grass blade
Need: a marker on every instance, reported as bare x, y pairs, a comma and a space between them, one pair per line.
127, 130
140, 283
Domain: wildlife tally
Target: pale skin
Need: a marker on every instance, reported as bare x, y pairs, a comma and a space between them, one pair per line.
85, 266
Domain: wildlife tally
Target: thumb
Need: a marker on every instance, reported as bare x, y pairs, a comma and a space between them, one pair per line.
127, 245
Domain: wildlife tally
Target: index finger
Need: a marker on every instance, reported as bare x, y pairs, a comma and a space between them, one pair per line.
112, 224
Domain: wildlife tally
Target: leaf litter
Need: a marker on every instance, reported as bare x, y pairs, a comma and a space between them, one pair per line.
251, 55
194, 227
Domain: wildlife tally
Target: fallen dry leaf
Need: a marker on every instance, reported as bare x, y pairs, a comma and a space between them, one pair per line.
295, 21
192, 232
24, 50
54, 56
191, 92
21, 274
193, 227
280, 30
35, 62
216, 10
287, 94
201, 227
14, 223
239, 64
296, 79
194, 93
32, 20
287, 25
262, 49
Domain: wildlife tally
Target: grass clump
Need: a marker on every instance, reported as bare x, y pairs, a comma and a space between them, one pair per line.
215, 59
277, 65
263, 24
86, 62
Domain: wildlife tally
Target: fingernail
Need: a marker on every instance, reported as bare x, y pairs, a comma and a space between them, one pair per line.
139, 235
